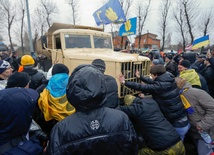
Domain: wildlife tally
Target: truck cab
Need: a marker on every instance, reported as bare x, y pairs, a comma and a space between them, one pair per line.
75, 45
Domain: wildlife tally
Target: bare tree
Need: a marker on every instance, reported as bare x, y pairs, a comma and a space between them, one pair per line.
1, 19
8, 10
74, 4
21, 11
126, 5
191, 12
179, 17
143, 9
40, 24
1, 38
164, 13
50, 8
206, 22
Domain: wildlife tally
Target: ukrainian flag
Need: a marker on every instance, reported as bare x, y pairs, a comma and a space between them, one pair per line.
200, 42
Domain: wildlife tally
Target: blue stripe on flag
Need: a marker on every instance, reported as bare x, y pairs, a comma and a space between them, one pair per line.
199, 40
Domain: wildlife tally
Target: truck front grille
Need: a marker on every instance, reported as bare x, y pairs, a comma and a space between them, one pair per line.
128, 70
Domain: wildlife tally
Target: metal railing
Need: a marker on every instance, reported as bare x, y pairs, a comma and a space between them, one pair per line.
128, 70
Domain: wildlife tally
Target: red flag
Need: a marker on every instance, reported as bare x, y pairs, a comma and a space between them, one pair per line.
188, 47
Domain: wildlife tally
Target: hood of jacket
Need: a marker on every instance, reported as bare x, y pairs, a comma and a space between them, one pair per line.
86, 88
191, 76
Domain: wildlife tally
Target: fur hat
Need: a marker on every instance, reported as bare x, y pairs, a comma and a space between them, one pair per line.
3, 66
185, 63
18, 79
100, 64
60, 68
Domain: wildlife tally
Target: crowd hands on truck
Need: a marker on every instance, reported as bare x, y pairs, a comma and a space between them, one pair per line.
80, 113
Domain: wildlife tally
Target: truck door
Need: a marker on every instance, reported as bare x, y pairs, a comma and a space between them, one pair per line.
57, 53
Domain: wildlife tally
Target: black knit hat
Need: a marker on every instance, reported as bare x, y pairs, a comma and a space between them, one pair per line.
60, 68
185, 63
100, 64
18, 79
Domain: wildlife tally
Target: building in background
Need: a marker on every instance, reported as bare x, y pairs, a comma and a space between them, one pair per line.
117, 40
147, 40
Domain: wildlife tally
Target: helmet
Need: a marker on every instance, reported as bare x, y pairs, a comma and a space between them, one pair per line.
27, 60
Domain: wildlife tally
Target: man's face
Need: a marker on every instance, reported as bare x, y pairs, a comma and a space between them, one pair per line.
7, 73
181, 68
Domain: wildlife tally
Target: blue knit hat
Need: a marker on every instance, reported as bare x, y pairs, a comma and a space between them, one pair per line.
3, 66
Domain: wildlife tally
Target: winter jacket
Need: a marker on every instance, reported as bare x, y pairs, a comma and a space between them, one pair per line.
17, 106
93, 129
203, 106
3, 84
149, 121
37, 78
208, 74
166, 93
204, 85
112, 92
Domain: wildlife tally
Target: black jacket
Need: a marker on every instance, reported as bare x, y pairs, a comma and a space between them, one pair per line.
149, 122
166, 93
208, 74
37, 78
112, 92
93, 129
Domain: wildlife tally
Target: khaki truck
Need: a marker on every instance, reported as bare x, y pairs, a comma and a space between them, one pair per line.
73, 45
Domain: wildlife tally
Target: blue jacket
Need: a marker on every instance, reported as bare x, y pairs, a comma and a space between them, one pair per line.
17, 106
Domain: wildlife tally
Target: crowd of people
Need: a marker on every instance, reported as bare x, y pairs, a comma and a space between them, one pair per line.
80, 113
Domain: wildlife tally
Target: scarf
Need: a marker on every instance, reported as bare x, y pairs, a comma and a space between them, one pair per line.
185, 102
54, 108
53, 101
191, 76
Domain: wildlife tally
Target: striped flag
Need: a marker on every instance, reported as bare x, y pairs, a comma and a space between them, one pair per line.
200, 42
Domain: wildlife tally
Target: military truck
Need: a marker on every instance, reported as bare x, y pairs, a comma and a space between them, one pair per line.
73, 45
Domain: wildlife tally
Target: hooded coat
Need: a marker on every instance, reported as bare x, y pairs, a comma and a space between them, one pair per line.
93, 129
17, 106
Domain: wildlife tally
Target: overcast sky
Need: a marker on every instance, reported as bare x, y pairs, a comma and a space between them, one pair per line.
88, 7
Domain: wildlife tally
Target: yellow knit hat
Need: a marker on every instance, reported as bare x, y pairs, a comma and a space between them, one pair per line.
128, 99
27, 60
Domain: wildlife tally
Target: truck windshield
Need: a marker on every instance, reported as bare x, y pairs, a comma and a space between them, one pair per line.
102, 42
77, 41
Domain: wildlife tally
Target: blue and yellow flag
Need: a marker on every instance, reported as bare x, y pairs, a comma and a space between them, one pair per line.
111, 12
200, 42
129, 27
